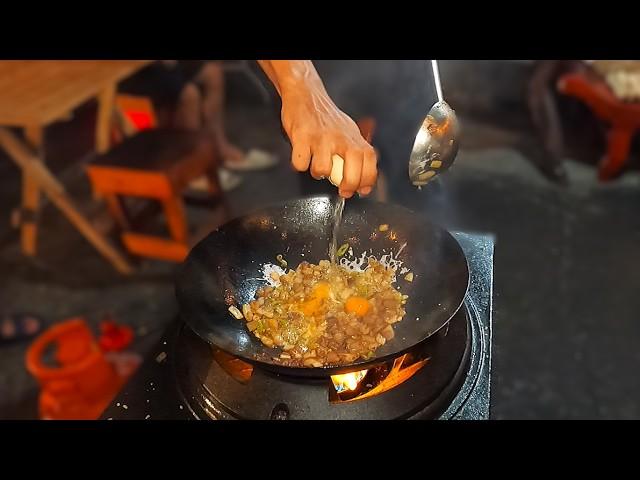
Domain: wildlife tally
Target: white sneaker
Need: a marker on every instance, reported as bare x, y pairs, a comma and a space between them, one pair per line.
228, 181
254, 160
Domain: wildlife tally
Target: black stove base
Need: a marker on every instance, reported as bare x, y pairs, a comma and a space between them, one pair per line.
453, 384
211, 393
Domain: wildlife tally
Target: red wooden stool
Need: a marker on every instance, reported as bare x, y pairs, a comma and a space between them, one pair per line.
155, 164
158, 165
623, 118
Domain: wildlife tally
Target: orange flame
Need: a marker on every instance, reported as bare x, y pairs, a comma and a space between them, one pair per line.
397, 376
348, 381
399, 373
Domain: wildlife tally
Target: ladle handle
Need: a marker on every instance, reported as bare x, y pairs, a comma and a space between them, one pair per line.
436, 79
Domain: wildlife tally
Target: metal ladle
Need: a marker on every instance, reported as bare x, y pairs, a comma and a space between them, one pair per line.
434, 150
436, 144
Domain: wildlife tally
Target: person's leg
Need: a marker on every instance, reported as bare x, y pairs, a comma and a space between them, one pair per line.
188, 113
543, 108
211, 77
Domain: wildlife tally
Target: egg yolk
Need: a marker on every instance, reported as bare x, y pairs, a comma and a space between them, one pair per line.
313, 305
321, 290
358, 305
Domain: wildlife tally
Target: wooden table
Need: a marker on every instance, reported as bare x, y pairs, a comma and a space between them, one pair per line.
37, 93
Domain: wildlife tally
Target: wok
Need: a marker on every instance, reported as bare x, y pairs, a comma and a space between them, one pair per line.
225, 269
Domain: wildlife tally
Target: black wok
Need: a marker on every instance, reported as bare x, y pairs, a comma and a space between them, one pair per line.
225, 268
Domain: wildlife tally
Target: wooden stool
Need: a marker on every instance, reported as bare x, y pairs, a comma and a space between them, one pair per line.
623, 118
155, 164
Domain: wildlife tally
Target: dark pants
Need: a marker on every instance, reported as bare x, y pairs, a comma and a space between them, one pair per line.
161, 83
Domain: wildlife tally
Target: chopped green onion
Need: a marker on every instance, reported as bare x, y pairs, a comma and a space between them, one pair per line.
342, 250
281, 261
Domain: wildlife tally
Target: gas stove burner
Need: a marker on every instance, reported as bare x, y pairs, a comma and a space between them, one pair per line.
446, 377
420, 384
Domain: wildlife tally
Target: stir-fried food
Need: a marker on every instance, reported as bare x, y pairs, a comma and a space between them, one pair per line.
322, 315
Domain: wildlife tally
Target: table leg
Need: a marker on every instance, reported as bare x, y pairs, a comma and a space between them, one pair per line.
106, 100
56, 192
31, 195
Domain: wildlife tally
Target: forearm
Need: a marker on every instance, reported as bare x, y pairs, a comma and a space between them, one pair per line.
293, 76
